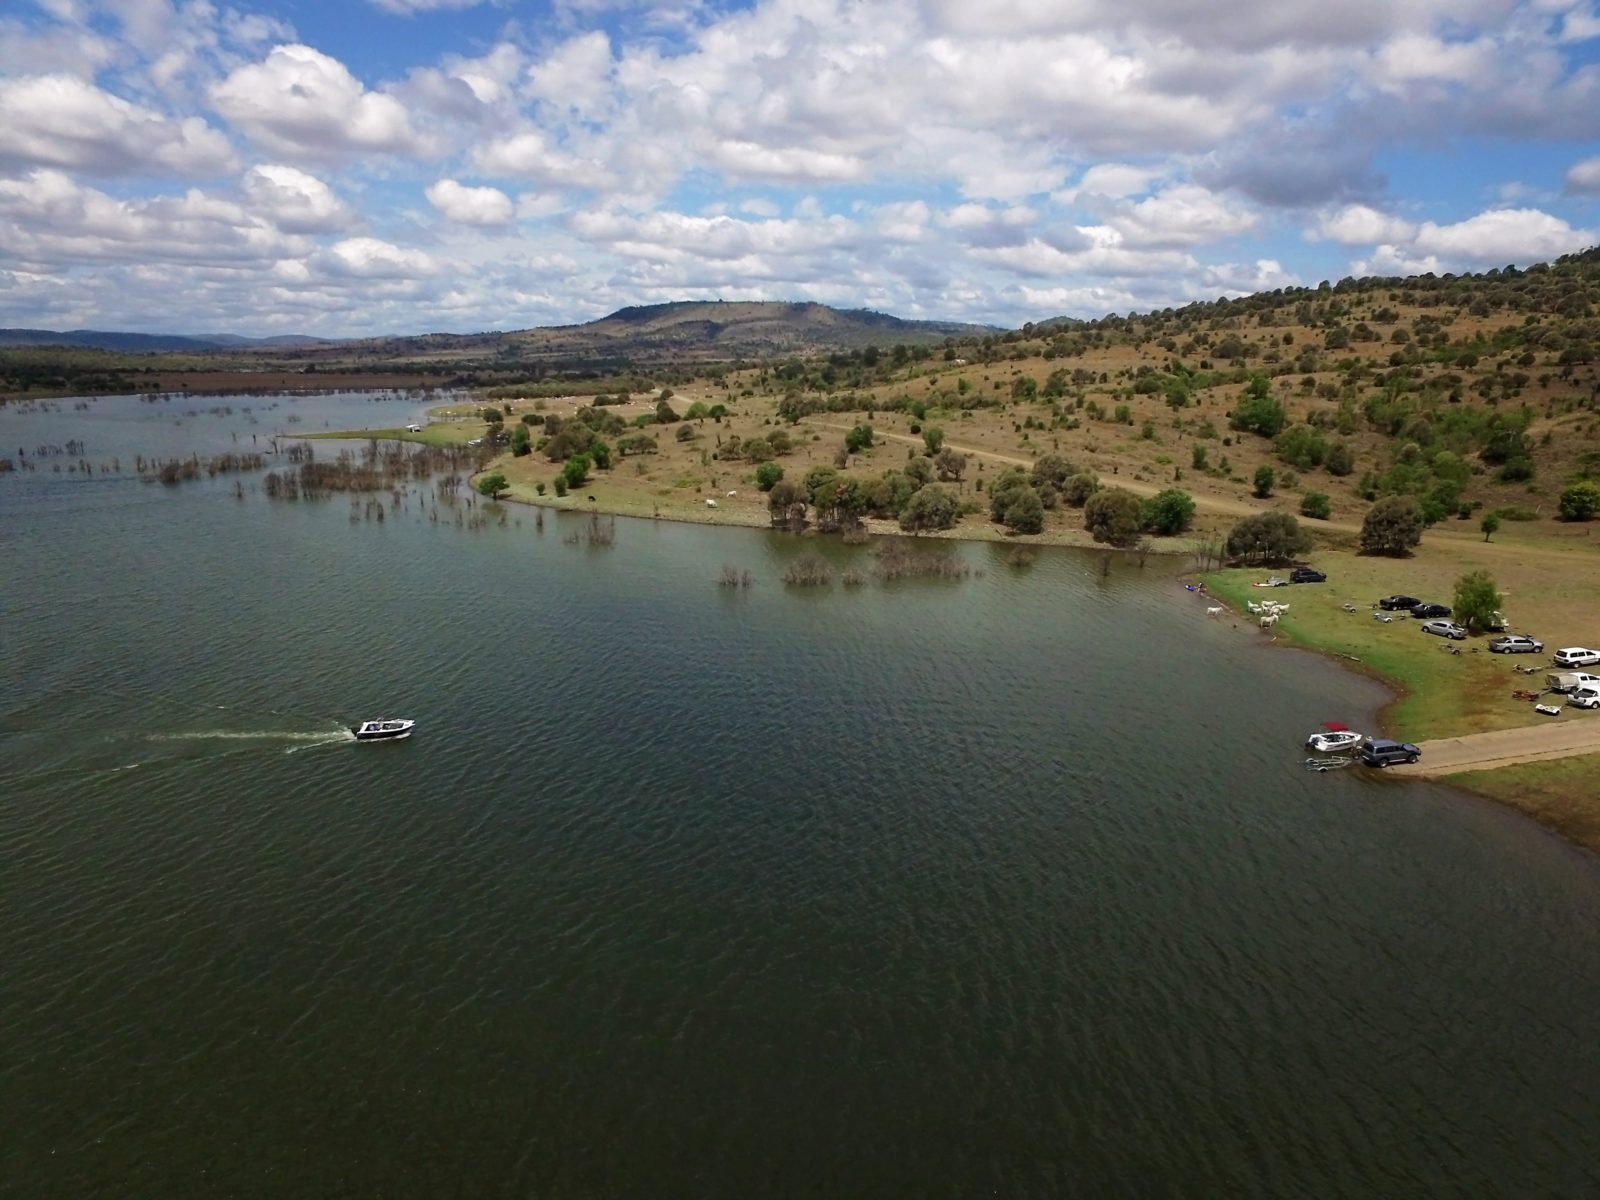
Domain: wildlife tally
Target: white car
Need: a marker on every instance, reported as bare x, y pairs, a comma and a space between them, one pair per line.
1445, 628
1575, 656
1585, 697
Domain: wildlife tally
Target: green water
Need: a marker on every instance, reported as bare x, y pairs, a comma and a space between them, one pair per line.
1011, 885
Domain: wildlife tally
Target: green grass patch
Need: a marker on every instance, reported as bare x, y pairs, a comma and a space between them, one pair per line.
1558, 793
453, 434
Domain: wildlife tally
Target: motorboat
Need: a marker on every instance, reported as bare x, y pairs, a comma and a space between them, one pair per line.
383, 731
1334, 739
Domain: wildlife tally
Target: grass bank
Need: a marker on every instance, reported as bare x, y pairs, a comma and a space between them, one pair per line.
1559, 794
454, 433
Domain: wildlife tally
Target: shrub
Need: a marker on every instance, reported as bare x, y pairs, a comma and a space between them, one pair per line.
933, 439
492, 484
685, 433
1581, 501
664, 413
1258, 411
1077, 490
1392, 526
809, 571
1265, 478
767, 476
859, 438
561, 486
1025, 513
1316, 505
521, 443
1167, 513
1050, 470
1302, 446
1112, 515
576, 472
600, 455
919, 470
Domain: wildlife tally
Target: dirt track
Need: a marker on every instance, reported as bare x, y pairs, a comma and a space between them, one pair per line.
1573, 732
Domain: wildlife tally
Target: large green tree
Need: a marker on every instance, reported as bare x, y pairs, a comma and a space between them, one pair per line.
1168, 513
1477, 600
1267, 538
933, 507
1392, 526
492, 484
1112, 516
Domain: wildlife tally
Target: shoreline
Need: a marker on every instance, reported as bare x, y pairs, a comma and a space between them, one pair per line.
1512, 779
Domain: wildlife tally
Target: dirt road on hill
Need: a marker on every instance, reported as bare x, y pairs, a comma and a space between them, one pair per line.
1569, 734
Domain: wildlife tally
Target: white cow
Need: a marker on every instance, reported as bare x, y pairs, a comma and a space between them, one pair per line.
710, 503
733, 493
1214, 611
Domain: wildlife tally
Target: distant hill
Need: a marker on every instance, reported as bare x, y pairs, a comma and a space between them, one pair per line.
152, 343
684, 331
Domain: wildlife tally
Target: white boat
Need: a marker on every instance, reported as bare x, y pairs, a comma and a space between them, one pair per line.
383, 731
1334, 739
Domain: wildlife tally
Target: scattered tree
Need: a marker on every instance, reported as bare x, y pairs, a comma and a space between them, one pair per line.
492, 484
521, 442
1266, 477
1112, 515
576, 472
1267, 538
951, 464
1490, 526
859, 438
1167, 513
1316, 505
933, 439
1581, 501
1077, 490
1392, 526
767, 476
1258, 411
1477, 600
932, 507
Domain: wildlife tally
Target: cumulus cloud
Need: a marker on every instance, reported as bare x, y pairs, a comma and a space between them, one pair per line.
373, 258
1361, 225
1185, 215
1584, 177
62, 121
1502, 235
46, 216
471, 205
295, 201
300, 102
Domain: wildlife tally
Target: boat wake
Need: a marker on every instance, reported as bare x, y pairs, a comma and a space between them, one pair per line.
301, 740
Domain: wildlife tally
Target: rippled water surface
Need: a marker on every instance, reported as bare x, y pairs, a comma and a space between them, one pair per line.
1007, 886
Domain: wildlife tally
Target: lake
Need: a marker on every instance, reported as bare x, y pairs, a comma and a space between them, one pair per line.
1011, 884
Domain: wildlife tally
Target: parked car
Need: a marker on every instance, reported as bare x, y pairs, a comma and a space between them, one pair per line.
1380, 752
1307, 575
1396, 603
1585, 697
1424, 611
1447, 629
1515, 643
1575, 656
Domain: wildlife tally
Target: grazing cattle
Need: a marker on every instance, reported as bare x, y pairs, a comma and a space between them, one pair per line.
733, 493
711, 503
1269, 622
1214, 611
591, 499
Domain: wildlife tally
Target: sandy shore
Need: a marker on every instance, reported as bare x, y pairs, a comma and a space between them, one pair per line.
1561, 737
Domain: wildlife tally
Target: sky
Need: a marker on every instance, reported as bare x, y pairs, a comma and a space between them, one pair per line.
358, 167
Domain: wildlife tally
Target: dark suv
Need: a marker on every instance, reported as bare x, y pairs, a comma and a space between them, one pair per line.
1395, 603
1307, 575
1427, 611
1380, 752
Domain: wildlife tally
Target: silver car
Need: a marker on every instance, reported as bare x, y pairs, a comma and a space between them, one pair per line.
1515, 643
1445, 628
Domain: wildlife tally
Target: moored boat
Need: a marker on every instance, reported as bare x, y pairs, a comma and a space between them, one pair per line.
1334, 739
387, 730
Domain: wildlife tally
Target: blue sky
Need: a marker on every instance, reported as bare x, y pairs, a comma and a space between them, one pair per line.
381, 166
